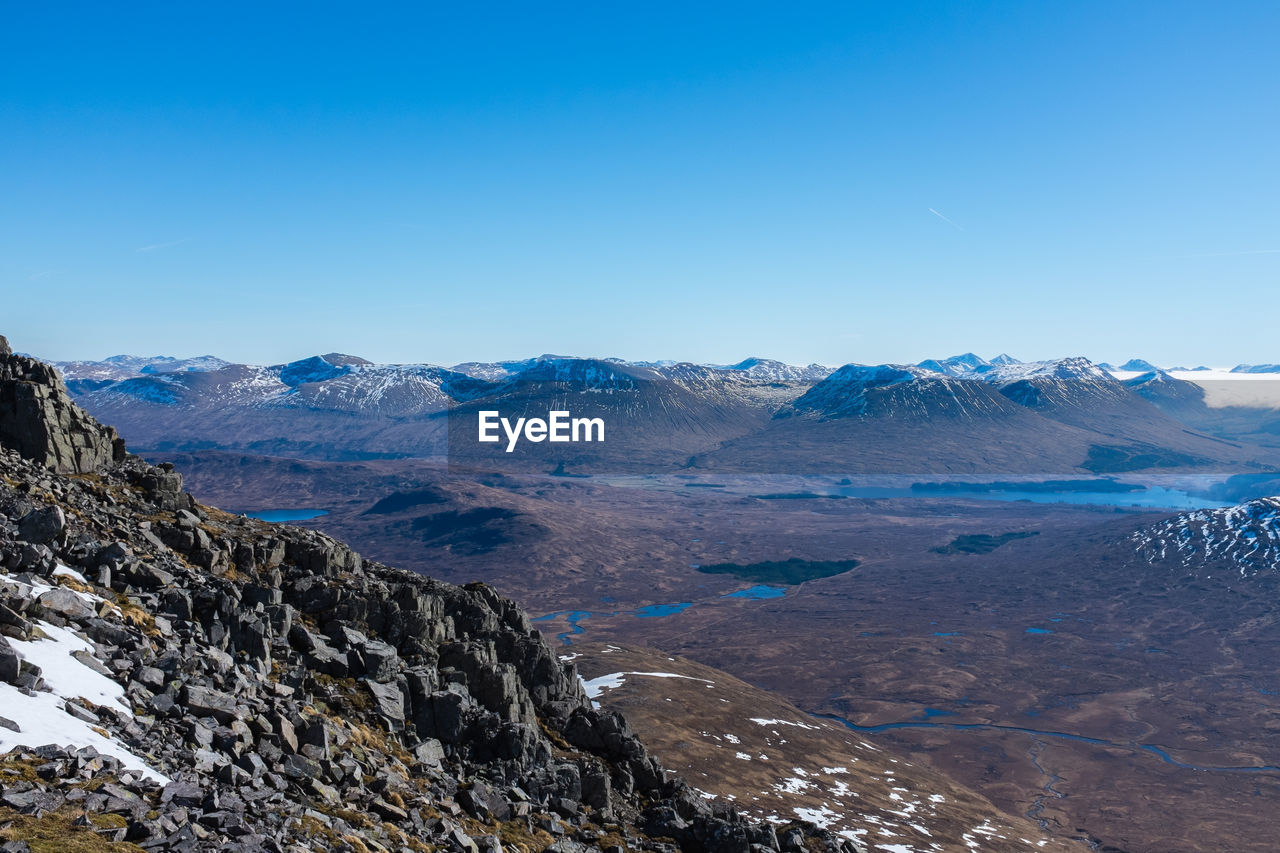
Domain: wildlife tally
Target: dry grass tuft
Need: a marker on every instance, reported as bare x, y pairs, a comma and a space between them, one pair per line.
56, 832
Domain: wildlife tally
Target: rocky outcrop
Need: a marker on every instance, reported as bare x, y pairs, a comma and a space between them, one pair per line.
38, 419
275, 691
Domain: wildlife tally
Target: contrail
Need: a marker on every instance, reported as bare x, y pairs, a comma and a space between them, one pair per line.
158, 246
943, 218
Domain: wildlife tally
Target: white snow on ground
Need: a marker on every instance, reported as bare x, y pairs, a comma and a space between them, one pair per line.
61, 571
822, 817
793, 785
596, 686
42, 718
39, 588
65, 675
761, 721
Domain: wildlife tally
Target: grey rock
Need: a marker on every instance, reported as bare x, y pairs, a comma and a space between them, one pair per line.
428, 752
87, 659
389, 702
792, 840
42, 526
39, 420
377, 661
150, 676
146, 575
10, 664
66, 602
484, 803
206, 702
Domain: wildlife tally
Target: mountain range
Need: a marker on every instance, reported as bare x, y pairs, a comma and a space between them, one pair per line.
962, 414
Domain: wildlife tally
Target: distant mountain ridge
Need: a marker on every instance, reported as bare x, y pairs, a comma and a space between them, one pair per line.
120, 367
961, 414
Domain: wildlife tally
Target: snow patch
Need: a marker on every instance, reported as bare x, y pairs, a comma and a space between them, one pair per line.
761, 721
596, 686
43, 718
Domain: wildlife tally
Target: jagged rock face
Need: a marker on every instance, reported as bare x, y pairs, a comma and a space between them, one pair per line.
38, 419
260, 687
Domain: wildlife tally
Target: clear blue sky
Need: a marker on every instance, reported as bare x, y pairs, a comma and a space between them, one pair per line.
445, 182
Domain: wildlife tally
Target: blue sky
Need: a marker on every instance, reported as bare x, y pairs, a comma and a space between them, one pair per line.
448, 182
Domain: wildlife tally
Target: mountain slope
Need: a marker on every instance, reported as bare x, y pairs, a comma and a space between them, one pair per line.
1229, 408
742, 745
1243, 538
656, 417
1077, 392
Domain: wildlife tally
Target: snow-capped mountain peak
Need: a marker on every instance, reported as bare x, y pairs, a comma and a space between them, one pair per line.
956, 365
770, 370
1138, 365
1066, 369
318, 368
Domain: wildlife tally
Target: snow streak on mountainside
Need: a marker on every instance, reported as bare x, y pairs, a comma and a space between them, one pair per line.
776, 371
1067, 369
957, 365
125, 366
899, 391
322, 382
1246, 537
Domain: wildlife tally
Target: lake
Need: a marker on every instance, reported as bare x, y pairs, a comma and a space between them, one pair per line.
280, 515
1156, 497
1149, 491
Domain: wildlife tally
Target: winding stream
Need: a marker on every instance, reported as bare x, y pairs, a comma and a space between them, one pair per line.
1036, 812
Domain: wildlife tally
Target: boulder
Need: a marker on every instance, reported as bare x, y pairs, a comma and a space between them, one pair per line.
67, 603
207, 702
10, 663
42, 526
388, 702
